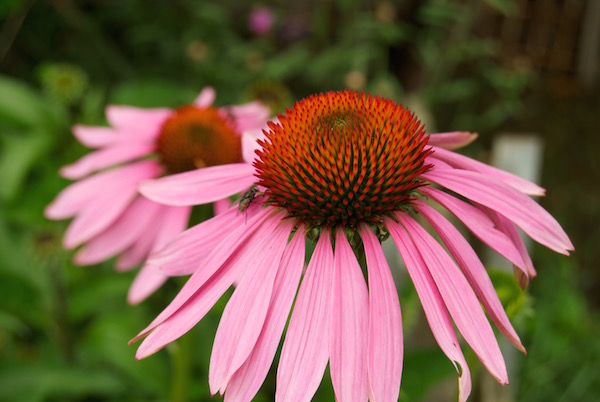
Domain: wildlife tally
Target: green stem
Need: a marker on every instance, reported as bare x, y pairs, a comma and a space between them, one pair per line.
181, 361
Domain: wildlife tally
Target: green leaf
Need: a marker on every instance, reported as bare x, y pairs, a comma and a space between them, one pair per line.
100, 294
422, 370
513, 299
105, 342
11, 324
19, 153
9, 6
287, 63
20, 105
28, 382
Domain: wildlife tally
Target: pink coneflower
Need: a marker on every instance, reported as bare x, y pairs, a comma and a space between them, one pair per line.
110, 216
345, 170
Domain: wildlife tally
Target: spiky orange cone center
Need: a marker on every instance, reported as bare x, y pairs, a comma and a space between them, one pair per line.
196, 137
342, 158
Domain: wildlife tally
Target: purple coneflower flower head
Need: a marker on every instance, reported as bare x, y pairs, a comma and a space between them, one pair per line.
346, 169
260, 21
110, 216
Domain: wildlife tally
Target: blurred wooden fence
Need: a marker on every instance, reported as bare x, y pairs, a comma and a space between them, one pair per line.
557, 39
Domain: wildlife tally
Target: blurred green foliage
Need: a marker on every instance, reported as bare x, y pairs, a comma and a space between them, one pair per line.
561, 338
64, 329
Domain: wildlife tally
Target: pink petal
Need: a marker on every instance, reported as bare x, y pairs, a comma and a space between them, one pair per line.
250, 143
247, 380
109, 202
138, 251
463, 162
105, 158
349, 324
146, 282
194, 308
473, 269
306, 347
222, 206
175, 220
386, 350
454, 140
478, 223
179, 317
246, 311
459, 299
494, 194
186, 252
77, 195
200, 186
97, 137
509, 229
205, 286
433, 305
130, 226
206, 97
171, 222
251, 116
143, 124
438, 164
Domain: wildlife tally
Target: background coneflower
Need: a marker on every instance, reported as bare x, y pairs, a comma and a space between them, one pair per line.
110, 216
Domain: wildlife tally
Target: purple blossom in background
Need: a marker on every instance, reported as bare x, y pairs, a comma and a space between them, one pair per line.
260, 21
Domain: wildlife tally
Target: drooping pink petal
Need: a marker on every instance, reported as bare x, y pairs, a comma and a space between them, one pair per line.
247, 380
193, 301
97, 137
433, 305
453, 140
224, 258
138, 251
187, 251
509, 229
200, 186
77, 195
124, 232
349, 324
473, 269
206, 97
246, 311
170, 222
494, 194
143, 124
106, 157
108, 203
306, 347
175, 220
385, 339
463, 162
145, 283
478, 223
190, 312
459, 299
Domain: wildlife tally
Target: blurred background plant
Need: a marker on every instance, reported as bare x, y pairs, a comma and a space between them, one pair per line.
478, 65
